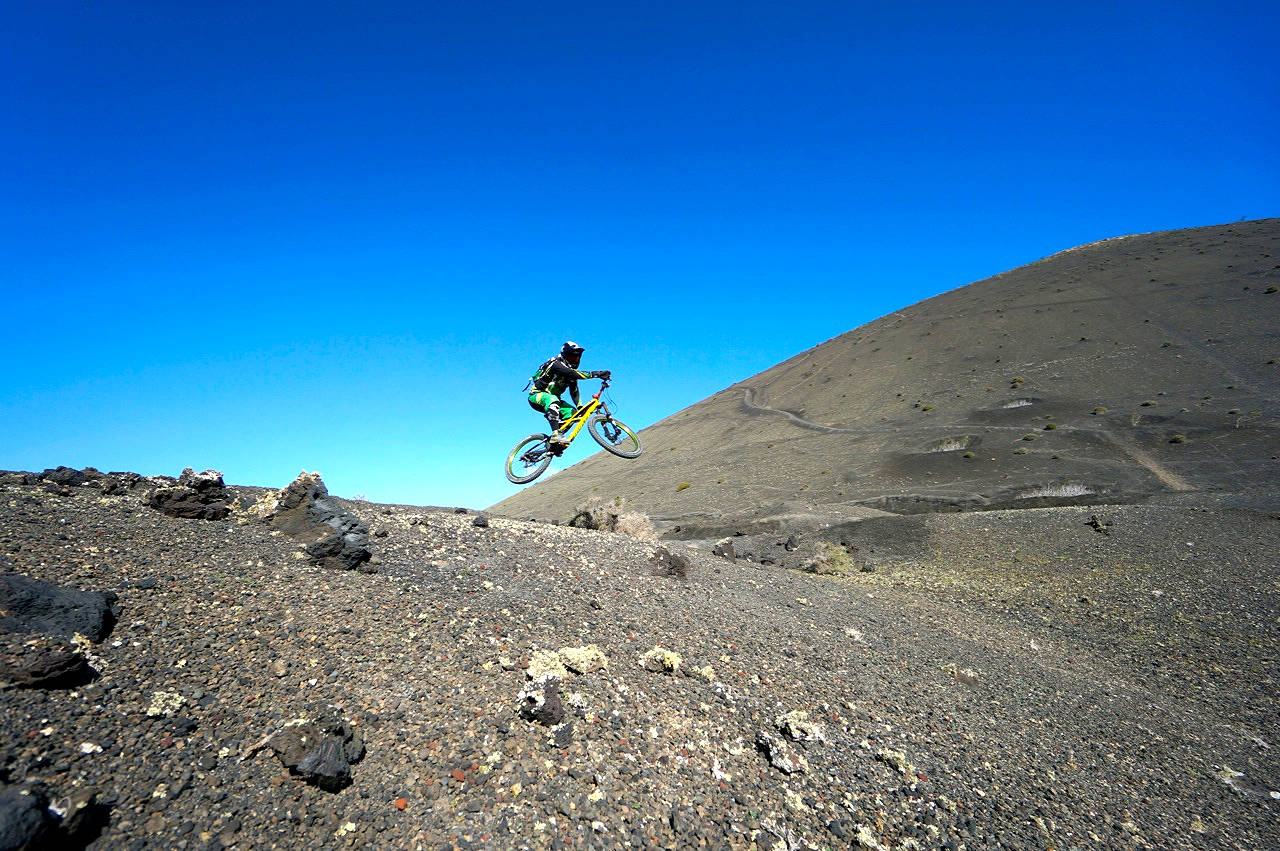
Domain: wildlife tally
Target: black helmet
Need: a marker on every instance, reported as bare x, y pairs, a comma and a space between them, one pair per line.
572, 353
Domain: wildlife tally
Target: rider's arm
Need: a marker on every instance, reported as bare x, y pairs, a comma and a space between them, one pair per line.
563, 370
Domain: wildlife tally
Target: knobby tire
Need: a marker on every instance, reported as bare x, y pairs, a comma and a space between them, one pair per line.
626, 445
529, 471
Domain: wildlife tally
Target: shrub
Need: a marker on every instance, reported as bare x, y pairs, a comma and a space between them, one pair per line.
831, 558
614, 517
1050, 426
682, 486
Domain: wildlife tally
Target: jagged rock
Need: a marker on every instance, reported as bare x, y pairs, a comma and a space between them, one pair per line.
584, 660
792, 543
319, 750
481, 520
33, 605
668, 563
724, 548
83, 817
544, 663
540, 701
331, 535
795, 725
119, 483
896, 759
780, 755
10, 477
661, 661
71, 478
25, 821
1101, 526
44, 662
199, 496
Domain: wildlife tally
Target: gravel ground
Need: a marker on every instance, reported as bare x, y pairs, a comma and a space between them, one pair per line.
940, 713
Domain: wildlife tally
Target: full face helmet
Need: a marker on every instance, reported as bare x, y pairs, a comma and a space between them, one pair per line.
572, 353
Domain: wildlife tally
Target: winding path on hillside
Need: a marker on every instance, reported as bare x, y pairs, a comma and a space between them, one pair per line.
1166, 476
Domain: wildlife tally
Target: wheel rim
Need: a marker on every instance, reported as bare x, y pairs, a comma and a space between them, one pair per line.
529, 458
615, 436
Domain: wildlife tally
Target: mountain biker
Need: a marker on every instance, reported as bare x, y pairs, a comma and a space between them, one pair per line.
557, 375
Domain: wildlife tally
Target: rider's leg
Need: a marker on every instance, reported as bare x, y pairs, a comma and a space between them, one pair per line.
550, 405
557, 413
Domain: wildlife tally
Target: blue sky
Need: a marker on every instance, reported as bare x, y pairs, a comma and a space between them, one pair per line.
262, 237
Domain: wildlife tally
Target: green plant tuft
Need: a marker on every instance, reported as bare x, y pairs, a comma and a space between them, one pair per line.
830, 558
682, 486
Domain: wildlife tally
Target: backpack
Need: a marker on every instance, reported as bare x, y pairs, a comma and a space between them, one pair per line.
538, 373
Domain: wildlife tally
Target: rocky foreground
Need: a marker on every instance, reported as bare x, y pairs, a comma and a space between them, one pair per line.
1049, 678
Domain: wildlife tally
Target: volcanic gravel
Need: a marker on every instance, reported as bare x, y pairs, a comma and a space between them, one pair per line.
935, 719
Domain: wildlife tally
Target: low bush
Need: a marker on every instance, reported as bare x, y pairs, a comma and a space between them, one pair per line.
613, 516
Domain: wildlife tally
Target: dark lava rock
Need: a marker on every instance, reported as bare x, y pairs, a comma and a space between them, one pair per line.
68, 477
198, 496
780, 754
320, 751
117, 484
481, 520
333, 536
1101, 526
668, 563
33, 605
25, 821
44, 663
792, 543
9, 477
83, 819
540, 701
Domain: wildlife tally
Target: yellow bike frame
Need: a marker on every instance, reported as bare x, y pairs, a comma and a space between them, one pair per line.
579, 418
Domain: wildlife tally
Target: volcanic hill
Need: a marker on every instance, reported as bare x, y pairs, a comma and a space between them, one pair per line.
1134, 368
997, 571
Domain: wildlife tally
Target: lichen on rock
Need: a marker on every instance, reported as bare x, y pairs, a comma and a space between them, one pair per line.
659, 660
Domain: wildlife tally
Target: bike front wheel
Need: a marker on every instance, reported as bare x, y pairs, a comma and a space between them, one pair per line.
528, 460
614, 436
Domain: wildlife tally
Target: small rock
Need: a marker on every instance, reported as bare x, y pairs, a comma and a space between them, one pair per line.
660, 661
584, 660
539, 701
481, 521
319, 750
796, 726
45, 663
546, 663
780, 755
668, 563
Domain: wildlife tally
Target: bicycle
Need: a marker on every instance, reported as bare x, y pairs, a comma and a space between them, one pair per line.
533, 455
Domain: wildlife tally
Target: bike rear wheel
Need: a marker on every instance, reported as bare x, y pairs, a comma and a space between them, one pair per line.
614, 436
528, 460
